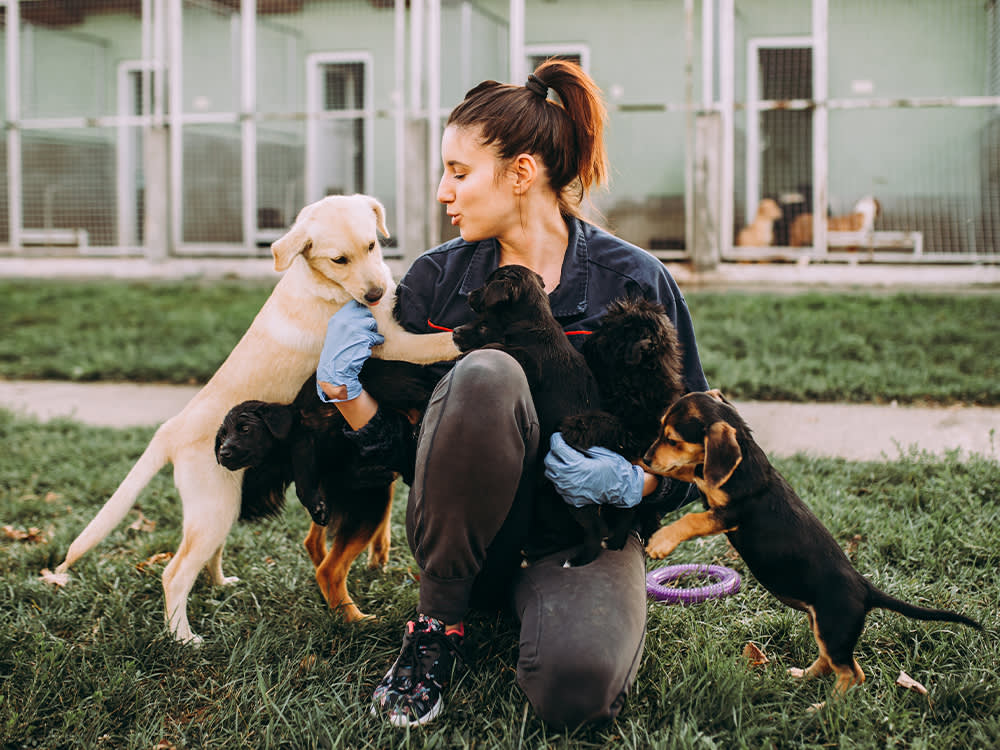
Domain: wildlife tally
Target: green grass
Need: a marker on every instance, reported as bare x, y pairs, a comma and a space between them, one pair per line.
90, 665
816, 346
861, 347
170, 332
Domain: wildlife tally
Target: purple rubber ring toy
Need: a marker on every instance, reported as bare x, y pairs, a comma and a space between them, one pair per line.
726, 582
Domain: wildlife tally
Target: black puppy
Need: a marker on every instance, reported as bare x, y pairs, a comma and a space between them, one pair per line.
702, 439
636, 358
513, 314
304, 442
285, 443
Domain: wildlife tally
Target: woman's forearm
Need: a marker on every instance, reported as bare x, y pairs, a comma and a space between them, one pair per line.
358, 411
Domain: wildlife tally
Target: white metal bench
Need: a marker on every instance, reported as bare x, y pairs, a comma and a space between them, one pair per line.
56, 237
878, 240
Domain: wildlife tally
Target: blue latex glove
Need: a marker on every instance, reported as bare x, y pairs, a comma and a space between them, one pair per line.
350, 336
603, 477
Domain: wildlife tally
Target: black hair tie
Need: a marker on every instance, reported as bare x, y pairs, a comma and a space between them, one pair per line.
535, 86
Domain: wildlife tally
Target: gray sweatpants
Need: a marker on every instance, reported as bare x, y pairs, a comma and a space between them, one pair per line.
582, 629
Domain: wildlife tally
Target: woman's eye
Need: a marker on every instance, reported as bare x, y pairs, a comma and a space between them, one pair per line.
459, 176
341, 261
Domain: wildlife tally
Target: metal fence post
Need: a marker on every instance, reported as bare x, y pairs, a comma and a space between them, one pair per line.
705, 236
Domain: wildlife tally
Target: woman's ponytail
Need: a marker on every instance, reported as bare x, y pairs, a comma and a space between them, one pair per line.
567, 136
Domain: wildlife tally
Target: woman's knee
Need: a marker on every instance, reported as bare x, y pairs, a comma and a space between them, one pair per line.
583, 631
490, 376
484, 397
575, 689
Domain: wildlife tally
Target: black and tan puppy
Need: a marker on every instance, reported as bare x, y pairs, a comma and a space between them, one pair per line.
789, 551
636, 358
513, 314
304, 443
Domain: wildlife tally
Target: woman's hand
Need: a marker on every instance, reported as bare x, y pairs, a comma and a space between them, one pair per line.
350, 336
603, 477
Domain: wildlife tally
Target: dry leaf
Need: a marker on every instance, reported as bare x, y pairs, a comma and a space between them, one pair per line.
51, 497
852, 546
142, 524
33, 534
308, 663
753, 654
154, 559
56, 579
904, 680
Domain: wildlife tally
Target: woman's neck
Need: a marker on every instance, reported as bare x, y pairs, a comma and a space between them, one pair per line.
540, 245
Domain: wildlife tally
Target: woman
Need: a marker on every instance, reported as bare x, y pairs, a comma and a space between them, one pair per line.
516, 167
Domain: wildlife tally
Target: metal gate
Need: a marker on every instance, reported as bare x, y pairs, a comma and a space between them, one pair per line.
200, 127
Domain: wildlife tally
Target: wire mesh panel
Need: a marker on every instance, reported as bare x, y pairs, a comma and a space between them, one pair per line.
207, 89
281, 131
636, 54
772, 149
212, 167
203, 127
73, 67
928, 167
902, 154
474, 47
69, 190
327, 99
4, 162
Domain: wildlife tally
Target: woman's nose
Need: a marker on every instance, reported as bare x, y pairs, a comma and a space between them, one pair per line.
444, 195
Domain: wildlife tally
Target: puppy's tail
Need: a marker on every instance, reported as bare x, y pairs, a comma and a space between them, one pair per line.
120, 503
882, 600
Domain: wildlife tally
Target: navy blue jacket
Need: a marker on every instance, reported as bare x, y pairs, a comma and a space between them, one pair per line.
597, 269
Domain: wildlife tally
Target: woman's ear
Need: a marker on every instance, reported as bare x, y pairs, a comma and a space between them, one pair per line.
525, 173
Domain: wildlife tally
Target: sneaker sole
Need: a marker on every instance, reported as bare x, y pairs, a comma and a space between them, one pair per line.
402, 721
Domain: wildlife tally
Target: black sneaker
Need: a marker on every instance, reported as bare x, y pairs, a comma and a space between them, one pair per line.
411, 691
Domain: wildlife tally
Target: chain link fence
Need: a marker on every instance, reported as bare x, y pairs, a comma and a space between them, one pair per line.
770, 129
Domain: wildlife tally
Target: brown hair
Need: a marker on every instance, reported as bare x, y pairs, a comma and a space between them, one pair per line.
567, 136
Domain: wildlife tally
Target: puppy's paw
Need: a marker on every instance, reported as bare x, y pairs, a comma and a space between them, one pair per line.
352, 614
661, 544
190, 639
797, 672
378, 556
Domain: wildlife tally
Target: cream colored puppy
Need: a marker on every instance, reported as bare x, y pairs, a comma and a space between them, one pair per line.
861, 219
330, 256
760, 232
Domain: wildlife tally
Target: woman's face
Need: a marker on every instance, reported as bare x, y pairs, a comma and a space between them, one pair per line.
479, 203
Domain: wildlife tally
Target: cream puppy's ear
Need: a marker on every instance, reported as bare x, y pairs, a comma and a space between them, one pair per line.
379, 210
295, 242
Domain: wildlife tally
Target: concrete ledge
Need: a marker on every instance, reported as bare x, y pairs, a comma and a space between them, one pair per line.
841, 276
766, 275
